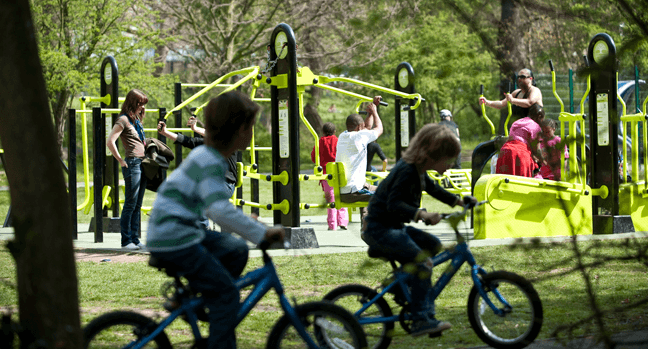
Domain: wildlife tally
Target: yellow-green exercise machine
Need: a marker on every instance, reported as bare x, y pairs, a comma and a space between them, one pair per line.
528, 207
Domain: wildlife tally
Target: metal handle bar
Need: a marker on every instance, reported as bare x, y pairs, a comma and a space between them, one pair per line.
462, 213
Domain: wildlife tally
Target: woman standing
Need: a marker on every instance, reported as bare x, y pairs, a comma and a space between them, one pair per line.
129, 128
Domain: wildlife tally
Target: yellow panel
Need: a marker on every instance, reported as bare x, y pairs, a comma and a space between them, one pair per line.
632, 203
527, 207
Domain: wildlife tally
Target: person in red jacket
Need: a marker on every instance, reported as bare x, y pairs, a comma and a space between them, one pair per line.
327, 151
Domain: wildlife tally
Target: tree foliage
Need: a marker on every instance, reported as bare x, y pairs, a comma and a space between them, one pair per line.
74, 37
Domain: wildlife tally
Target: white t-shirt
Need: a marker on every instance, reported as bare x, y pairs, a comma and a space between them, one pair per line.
352, 151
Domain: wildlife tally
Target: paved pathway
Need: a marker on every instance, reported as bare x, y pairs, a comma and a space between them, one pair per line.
339, 241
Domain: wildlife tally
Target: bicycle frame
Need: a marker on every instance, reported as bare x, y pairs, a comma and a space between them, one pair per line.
458, 255
264, 279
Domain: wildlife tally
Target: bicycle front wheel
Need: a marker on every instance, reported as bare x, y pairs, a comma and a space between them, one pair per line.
329, 325
521, 318
353, 298
119, 329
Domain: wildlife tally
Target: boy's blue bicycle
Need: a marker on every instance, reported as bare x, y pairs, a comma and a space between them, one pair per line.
309, 325
503, 308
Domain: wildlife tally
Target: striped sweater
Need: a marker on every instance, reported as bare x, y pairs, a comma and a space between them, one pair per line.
194, 190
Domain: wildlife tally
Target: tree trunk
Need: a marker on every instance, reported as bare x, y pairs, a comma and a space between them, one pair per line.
509, 45
42, 247
60, 117
310, 109
161, 53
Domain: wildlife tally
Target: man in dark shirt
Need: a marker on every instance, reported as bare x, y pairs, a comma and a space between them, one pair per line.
374, 148
446, 120
192, 142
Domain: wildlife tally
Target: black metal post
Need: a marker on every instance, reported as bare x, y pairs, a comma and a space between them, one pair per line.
110, 86
604, 129
239, 190
254, 186
98, 136
405, 118
72, 171
163, 114
178, 120
285, 120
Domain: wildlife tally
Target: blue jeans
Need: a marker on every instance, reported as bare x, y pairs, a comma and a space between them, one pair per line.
211, 267
373, 169
135, 186
407, 245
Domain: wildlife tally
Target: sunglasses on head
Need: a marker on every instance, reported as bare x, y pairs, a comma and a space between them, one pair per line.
523, 76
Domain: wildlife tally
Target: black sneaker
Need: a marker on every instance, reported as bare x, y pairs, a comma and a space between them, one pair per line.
420, 328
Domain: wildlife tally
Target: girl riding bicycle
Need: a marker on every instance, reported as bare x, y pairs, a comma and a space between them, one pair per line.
397, 201
209, 260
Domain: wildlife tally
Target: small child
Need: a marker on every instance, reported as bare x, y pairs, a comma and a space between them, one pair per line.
550, 147
397, 201
209, 260
327, 152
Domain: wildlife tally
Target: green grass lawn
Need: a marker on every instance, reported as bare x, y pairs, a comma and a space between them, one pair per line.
110, 286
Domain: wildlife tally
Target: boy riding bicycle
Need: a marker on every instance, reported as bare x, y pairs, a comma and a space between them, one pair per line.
209, 260
397, 201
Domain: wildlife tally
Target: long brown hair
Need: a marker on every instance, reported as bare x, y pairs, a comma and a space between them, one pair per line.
433, 141
134, 99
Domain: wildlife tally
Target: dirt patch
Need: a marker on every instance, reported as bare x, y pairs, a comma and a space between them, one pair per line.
89, 255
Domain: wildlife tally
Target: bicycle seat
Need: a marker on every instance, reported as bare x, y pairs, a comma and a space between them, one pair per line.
170, 270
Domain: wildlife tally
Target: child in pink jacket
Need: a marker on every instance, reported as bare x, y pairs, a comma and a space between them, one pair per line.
327, 151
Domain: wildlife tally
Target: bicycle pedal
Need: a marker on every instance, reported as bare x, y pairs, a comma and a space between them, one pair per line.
435, 335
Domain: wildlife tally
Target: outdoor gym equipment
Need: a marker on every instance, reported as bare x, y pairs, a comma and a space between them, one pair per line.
574, 139
103, 197
405, 116
631, 196
604, 131
287, 82
523, 207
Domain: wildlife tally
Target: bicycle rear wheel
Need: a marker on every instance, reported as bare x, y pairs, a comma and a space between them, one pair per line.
329, 325
354, 297
120, 328
522, 319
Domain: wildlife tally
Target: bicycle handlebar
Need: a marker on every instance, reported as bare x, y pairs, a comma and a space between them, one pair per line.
264, 245
462, 213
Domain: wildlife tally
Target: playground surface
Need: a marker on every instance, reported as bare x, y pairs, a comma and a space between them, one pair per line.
339, 241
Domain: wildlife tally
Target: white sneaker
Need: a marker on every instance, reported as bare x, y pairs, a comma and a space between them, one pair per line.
131, 247
141, 246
